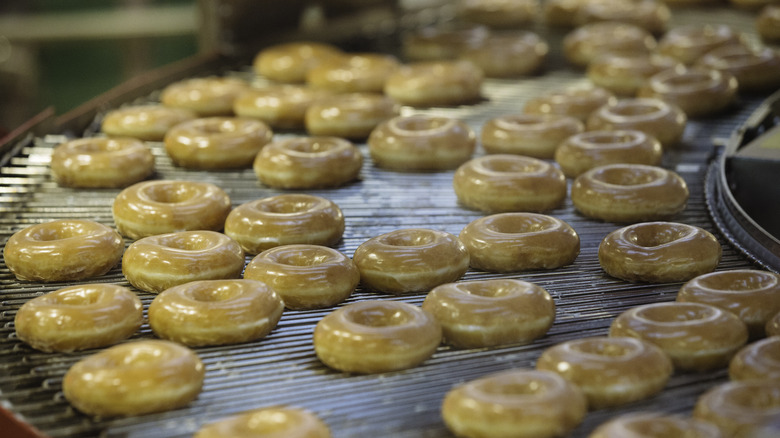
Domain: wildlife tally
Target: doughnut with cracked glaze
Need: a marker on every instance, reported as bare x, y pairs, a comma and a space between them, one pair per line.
698, 91
270, 422
587, 150
144, 122
768, 23
441, 42
101, 162
281, 106
759, 360
755, 69
741, 409
655, 425
291, 62
689, 42
532, 135
211, 96
625, 74
506, 55
577, 101
435, 83
351, 115
664, 121
353, 73
589, 41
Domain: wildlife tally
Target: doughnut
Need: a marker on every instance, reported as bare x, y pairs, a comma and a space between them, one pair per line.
211, 96
562, 13
352, 115
755, 70
610, 371
503, 183
291, 62
750, 294
697, 337
63, 250
308, 162
134, 378
435, 83
507, 55
742, 409
101, 162
517, 403
625, 74
280, 106
629, 193
654, 424
510, 242
144, 122
577, 101
759, 360
374, 336
280, 421
772, 327
499, 14
659, 252
156, 263
305, 276
689, 42
587, 42
284, 220
698, 91
532, 135
421, 143
651, 15
489, 313
664, 121
587, 150
165, 206
768, 23
353, 73
441, 42
79, 317
215, 312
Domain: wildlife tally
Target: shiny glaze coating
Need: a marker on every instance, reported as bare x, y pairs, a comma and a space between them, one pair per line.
651, 15
351, 115
655, 425
353, 73
577, 101
280, 106
441, 42
611, 371
582, 152
211, 96
698, 91
134, 378
664, 121
144, 122
305, 276
284, 220
533, 135
689, 42
501, 183
159, 262
101, 162
271, 422
410, 260
759, 360
165, 206
518, 403
518, 53
589, 41
624, 74
376, 337
291, 62
79, 317
742, 409
215, 312
63, 250
507, 242
488, 313
697, 337
755, 70
499, 14
435, 83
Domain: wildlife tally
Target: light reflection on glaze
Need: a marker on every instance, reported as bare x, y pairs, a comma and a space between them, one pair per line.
741, 408
757, 361
144, 122
272, 422
210, 96
101, 162
291, 62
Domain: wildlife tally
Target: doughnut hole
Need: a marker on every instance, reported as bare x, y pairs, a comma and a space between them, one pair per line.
515, 166
622, 177
420, 125
286, 205
171, 193
612, 139
508, 224
379, 316
67, 230
738, 282
636, 109
313, 258
409, 239
685, 313
307, 146
651, 236
187, 241
213, 295
689, 81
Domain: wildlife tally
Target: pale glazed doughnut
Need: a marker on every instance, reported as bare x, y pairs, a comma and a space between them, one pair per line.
506, 55
562, 13
434, 83
144, 122
308, 162
517, 403
629, 193
577, 101
79, 317
759, 360
499, 14
749, 294
63, 250
664, 121
698, 91
291, 62
353, 73
489, 313
689, 42
773, 326
659, 252
166, 206
768, 23
280, 106
271, 422
742, 409
435, 43
421, 142
533, 135
212, 96
754, 69
589, 41
655, 425
582, 152
305, 276
651, 15
134, 378
508, 242
610, 371
351, 115
500, 182
156, 263
624, 74
376, 336
215, 312
697, 337
410, 260
284, 220
101, 162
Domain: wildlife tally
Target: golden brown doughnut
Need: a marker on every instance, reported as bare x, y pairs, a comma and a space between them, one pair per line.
352, 115
755, 69
664, 121
768, 23
499, 14
441, 42
589, 41
651, 15
742, 409
533, 135
625, 74
280, 106
144, 122
268, 422
101, 162
587, 150
698, 91
653, 424
353, 73
435, 83
577, 101
291, 62
211, 96
506, 55
759, 360
689, 42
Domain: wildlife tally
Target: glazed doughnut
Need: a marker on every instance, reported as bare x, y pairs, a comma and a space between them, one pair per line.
582, 152
562, 13
410, 260
499, 14
517, 403
697, 337
305, 276
79, 317
507, 55
689, 42
291, 62
742, 409
352, 115
101, 162
134, 378
589, 41
755, 70
354, 73
577, 101
376, 336
267, 422
156, 263
510, 242
772, 327
625, 74
768, 23
215, 312
421, 142
212, 96
610, 371
651, 424
284, 220
144, 122
500, 183
434, 83
757, 361
445, 42
280, 106
164, 206
532, 135
629, 193
216, 142
63, 250
651, 15
749, 294
488, 313
659, 252
698, 91
664, 121
308, 162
